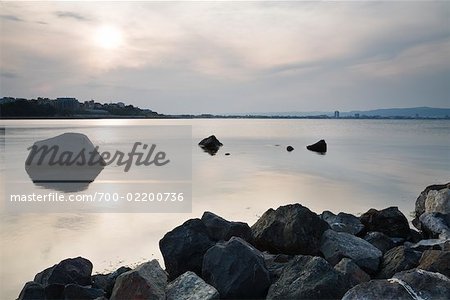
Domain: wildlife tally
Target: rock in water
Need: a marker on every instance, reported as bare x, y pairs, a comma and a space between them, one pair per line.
147, 281
290, 229
337, 245
236, 270
351, 272
32, 291
220, 229
436, 261
72, 270
379, 240
189, 286
343, 222
398, 259
289, 148
320, 146
389, 221
210, 144
183, 248
308, 277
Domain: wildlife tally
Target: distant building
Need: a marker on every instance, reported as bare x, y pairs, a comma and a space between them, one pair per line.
336, 114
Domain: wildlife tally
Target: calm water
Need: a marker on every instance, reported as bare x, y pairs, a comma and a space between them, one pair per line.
370, 163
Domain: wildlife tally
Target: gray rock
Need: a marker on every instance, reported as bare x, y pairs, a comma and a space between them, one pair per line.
351, 272
337, 245
106, 281
220, 229
398, 259
276, 263
389, 221
290, 229
343, 222
420, 202
435, 225
377, 289
183, 248
236, 269
429, 244
32, 291
379, 240
77, 292
438, 201
147, 281
308, 277
435, 261
72, 270
189, 286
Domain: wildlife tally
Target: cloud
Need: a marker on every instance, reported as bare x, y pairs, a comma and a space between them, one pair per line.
11, 18
72, 15
6, 74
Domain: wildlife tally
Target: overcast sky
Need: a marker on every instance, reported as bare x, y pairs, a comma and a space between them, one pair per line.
229, 57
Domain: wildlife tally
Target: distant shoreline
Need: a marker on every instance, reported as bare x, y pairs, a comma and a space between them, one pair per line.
188, 117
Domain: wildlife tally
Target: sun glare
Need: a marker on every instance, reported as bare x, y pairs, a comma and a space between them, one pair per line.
108, 37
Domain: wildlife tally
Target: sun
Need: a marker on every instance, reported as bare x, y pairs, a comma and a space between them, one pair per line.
108, 37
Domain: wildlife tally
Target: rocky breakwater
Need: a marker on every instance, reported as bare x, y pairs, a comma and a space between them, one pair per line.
289, 253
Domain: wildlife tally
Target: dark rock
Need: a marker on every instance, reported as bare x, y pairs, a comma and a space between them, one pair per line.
320, 146
183, 248
377, 289
343, 222
389, 221
435, 261
430, 244
398, 259
106, 281
420, 202
379, 240
351, 272
77, 292
308, 277
72, 270
54, 291
189, 286
337, 245
210, 144
289, 148
220, 229
147, 281
276, 263
291, 229
227, 154
236, 270
414, 236
32, 291
435, 225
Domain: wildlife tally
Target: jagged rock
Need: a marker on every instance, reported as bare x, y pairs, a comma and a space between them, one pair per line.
220, 229
337, 245
435, 225
398, 259
32, 291
106, 281
308, 277
210, 144
389, 221
189, 286
420, 202
351, 272
72, 270
320, 146
379, 240
183, 248
435, 261
343, 222
276, 263
77, 292
147, 281
236, 269
289, 148
290, 229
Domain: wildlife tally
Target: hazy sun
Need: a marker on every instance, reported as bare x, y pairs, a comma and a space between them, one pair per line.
108, 37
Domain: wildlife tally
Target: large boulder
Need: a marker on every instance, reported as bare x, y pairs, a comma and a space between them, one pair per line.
183, 248
343, 222
337, 245
210, 144
308, 277
189, 286
290, 229
389, 221
413, 284
379, 240
438, 201
220, 229
72, 270
351, 272
435, 225
398, 259
147, 281
435, 261
236, 269
77, 292
32, 291
106, 281
421, 200
320, 146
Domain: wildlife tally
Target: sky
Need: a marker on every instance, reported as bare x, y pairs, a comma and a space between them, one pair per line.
222, 57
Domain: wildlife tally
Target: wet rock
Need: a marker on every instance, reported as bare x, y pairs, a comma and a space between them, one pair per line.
389, 221
289, 148
210, 144
106, 281
189, 286
320, 146
351, 272
183, 248
147, 281
72, 270
77, 292
276, 263
308, 277
435, 225
220, 229
420, 202
398, 259
32, 291
436, 261
343, 222
379, 240
290, 229
337, 245
236, 269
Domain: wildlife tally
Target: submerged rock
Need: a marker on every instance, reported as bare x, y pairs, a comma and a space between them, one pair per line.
236, 269
220, 229
380, 240
289, 148
389, 221
398, 259
210, 144
343, 222
189, 286
290, 229
72, 270
320, 146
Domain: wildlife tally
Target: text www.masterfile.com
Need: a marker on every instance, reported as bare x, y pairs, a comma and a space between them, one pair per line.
99, 197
